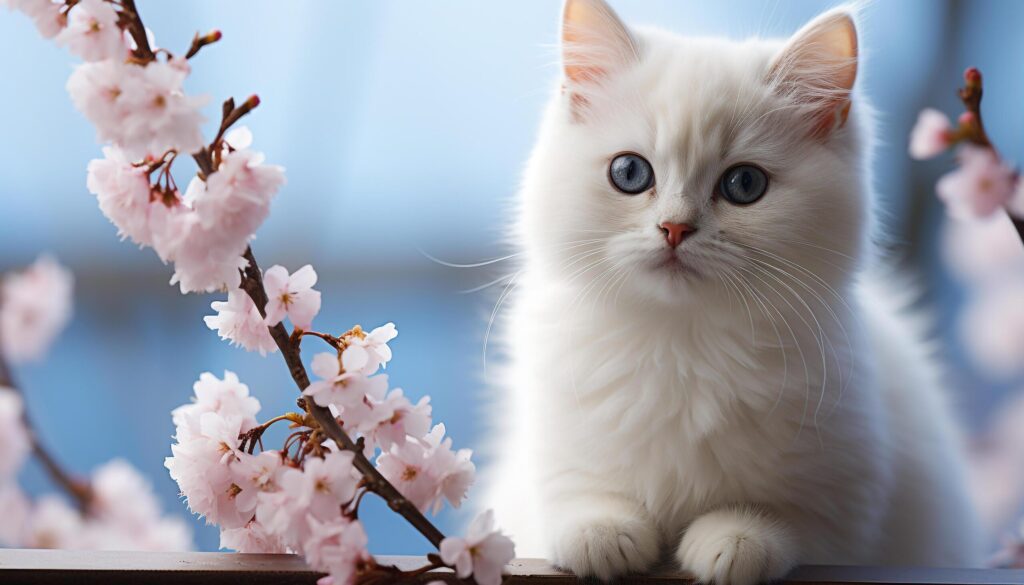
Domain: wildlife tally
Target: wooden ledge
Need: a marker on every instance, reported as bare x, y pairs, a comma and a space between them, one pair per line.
49, 567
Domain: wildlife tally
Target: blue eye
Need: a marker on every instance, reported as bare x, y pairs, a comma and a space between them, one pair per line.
631, 173
743, 184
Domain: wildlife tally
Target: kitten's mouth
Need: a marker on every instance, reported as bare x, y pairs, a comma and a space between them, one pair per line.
670, 262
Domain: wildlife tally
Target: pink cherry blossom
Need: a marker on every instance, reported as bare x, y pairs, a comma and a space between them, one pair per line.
237, 197
984, 250
454, 469
35, 305
141, 109
427, 471
292, 296
239, 137
283, 514
337, 547
253, 475
229, 207
123, 192
200, 463
46, 14
158, 115
407, 467
16, 508
396, 417
251, 538
351, 394
367, 353
931, 135
92, 32
119, 491
237, 320
996, 476
53, 523
992, 326
14, 440
227, 397
124, 514
323, 485
205, 260
980, 186
97, 91
483, 553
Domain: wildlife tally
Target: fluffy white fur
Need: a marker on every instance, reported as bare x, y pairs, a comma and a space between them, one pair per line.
754, 404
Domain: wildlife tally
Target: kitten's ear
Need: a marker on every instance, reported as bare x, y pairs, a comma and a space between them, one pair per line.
595, 44
818, 68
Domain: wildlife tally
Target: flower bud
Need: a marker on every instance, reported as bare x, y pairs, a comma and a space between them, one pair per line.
972, 77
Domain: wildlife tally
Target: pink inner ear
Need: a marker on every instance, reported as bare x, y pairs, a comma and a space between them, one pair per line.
832, 118
594, 41
819, 66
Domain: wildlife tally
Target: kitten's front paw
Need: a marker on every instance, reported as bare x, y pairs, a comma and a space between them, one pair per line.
737, 547
606, 547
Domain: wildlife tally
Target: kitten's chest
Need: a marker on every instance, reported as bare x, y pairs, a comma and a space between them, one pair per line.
687, 419
659, 382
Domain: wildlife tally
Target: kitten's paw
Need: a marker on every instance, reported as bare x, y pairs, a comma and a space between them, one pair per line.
607, 547
737, 547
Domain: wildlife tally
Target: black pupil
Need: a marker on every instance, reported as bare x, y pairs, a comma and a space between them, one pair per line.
746, 180
631, 170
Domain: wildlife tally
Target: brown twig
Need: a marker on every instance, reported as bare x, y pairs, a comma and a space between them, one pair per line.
972, 126
255, 435
198, 42
79, 490
134, 26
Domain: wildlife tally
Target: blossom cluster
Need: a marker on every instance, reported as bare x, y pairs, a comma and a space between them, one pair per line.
982, 248
304, 496
139, 107
35, 305
122, 512
204, 231
982, 183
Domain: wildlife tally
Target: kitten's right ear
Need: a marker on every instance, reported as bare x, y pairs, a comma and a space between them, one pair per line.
595, 44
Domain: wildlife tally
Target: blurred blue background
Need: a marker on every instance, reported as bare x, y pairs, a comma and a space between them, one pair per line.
403, 126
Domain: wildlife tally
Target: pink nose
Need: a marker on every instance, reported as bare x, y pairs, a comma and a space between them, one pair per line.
675, 233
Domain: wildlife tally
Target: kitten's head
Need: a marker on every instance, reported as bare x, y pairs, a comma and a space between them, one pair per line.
670, 168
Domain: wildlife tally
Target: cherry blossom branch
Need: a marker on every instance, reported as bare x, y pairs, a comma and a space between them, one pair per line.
205, 232
970, 94
79, 491
252, 284
984, 183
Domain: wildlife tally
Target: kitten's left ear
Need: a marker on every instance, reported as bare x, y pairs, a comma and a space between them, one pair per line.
595, 45
818, 68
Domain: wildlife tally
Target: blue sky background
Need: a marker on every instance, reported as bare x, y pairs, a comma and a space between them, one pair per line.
403, 126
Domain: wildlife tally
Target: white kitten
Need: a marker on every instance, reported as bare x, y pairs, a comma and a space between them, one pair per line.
695, 366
